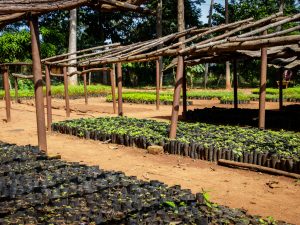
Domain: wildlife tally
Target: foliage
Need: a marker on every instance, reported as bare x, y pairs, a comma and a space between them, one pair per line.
15, 46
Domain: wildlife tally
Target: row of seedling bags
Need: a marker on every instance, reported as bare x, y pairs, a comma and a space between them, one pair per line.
193, 150
41, 190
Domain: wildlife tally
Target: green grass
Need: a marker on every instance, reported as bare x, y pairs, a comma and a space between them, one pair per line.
58, 91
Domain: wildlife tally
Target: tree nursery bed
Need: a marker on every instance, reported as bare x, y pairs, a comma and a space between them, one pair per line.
275, 149
37, 189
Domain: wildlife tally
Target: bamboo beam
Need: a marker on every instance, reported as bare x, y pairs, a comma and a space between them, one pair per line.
263, 86
113, 87
120, 100
66, 87
7, 94
48, 99
38, 83
176, 98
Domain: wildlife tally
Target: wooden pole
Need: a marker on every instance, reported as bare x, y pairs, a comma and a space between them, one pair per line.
66, 86
7, 94
38, 83
157, 83
113, 87
280, 89
176, 98
159, 35
16, 90
235, 84
184, 97
120, 100
48, 98
85, 88
263, 86
228, 84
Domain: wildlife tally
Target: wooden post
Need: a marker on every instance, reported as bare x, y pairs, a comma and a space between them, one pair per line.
176, 98
113, 87
280, 89
66, 86
263, 86
120, 100
157, 83
85, 88
7, 94
184, 97
48, 98
235, 84
38, 83
159, 35
16, 90
228, 84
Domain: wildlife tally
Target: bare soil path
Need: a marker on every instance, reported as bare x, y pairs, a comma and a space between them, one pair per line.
260, 194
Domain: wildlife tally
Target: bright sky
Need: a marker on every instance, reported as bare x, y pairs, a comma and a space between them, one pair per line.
205, 9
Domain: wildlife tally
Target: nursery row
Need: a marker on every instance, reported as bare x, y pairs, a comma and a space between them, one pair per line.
288, 118
35, 189
196, 140
145, 98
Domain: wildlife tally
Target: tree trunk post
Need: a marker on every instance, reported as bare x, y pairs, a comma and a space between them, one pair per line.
280, 89
66, 86
184, 97
235, 84
73, 80
85, 88
48, 98
113, 87
120, 100
157, 83
263, 86
159, 35
228, 83
16, 90
176, 98
38, 83
7, 94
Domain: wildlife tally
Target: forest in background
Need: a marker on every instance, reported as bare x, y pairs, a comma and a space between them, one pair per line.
97, 28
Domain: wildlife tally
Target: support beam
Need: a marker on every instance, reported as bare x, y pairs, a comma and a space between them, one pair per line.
16, 90
157, 84
85, 87
235, 84
120, 100
38, 83
66, 86
262, 92
48, 98
113, 87
176, 98
7, 94
280, 89
184, 97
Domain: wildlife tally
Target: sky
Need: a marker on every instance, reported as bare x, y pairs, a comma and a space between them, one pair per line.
205, 9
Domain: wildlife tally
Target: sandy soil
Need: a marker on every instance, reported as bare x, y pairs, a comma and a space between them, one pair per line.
260, 194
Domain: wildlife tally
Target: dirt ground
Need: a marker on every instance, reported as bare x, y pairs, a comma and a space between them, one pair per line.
260, 194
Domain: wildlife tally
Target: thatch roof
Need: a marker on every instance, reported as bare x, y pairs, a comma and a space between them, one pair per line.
15, 10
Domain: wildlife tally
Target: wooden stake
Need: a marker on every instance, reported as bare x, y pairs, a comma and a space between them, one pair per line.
66, 86
184, 97
263, 85
235, 84
48, 98
7, 94
157, 84
113, 87
280, 89
120, 100
85, 88
38, 83
176, 98
16, 90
